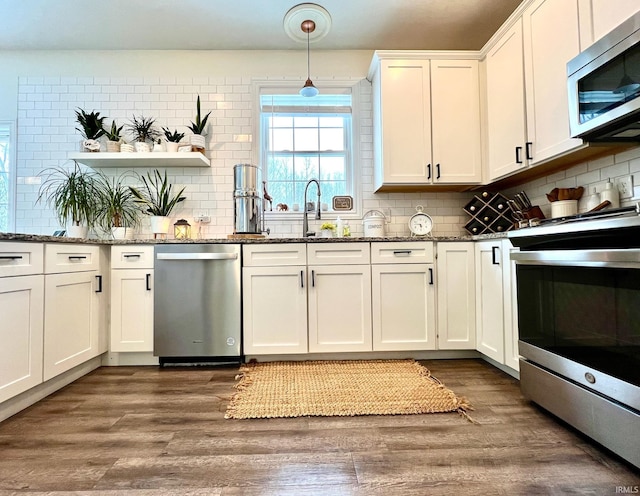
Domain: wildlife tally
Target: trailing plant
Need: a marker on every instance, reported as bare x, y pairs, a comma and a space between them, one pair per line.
118, 207
156, 196
199, 125
71, 193
174, 136
115, 133
143, 128
92, 124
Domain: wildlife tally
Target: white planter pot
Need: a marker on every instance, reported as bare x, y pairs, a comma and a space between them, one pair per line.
172, 146
197, 142
127, 148
142, 147
113, 146
119, 232
77, 232
160, 225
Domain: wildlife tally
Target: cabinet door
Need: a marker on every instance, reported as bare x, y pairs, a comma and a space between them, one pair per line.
21, 307
403, 302
505, 105
455, 121
455, 290
405, 121
274, 301
489, 302
71, 321
601, 16
551, 38
339, 308
511, 354
132, 310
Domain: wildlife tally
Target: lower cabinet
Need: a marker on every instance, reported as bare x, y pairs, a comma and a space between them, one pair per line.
73, 296
21, 325
339, 308
131, 299
403, 296
456, 295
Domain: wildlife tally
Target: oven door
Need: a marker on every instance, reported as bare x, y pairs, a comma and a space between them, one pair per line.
579, 316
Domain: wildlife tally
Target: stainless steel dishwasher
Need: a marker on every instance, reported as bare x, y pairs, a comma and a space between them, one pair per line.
197, 303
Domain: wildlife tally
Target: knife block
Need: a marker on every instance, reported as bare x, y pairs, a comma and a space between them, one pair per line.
490, 213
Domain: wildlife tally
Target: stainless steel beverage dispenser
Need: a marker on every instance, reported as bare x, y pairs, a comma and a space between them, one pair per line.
247, 202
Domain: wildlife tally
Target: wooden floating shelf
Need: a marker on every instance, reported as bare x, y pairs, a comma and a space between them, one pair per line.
137, 159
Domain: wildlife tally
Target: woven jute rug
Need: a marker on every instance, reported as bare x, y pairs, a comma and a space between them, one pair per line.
340, 388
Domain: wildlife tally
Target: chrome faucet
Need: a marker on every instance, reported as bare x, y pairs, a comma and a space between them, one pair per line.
305, 217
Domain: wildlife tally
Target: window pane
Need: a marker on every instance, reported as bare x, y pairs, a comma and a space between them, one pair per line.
331, 139
280, 121
280, 168
306, 139
306, 167
306, 122
4, 177
331, 122
282, 139
332, 169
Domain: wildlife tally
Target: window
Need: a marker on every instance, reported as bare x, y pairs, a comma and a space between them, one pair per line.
6, 176
305, 138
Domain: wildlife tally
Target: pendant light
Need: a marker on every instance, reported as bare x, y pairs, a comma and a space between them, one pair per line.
308, 90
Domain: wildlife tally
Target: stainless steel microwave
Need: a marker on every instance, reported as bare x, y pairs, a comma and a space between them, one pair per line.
604, 87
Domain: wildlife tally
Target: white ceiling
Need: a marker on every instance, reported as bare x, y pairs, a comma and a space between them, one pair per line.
246, 24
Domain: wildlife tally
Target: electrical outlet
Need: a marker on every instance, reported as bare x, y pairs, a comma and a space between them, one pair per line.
625, 187
202, 217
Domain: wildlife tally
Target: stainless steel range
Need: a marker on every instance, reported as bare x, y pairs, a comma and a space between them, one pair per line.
578, 281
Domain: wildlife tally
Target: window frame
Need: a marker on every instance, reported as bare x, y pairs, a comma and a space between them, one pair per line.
12, 175
353, 158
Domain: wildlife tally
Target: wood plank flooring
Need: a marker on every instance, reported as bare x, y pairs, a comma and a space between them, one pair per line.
146, 431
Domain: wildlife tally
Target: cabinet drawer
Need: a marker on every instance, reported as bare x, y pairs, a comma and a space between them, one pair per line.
59, 258
21, 259
132, 257
274, 254
338, 253
399, 253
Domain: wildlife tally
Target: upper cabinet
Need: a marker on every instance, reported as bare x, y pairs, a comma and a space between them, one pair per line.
598, 17
527, 103
141, 159
426, 121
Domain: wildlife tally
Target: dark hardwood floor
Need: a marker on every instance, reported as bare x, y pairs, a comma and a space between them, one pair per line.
146, 431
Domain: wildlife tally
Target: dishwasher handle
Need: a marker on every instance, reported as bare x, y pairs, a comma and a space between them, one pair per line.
197, 256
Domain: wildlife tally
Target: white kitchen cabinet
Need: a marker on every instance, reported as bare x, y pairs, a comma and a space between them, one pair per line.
489, 299
339, 308
598, 17
73, 296
455, 293
506, 122
551, 35
403, 296
21, 325
131, 298
426, 120
274, 299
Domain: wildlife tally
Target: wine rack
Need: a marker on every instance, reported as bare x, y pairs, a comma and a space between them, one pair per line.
490, 213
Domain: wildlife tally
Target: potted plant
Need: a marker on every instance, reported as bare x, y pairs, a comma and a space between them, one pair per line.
197, 128
73, 196
327, 230
118, 211
157, 200
173, 138
144, 132
91, 128
114, 135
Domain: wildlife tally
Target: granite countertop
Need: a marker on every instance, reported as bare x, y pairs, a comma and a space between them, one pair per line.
56, 239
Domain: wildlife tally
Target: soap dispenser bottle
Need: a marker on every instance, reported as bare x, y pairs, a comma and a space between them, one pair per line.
612, 194
593, 201
339, 227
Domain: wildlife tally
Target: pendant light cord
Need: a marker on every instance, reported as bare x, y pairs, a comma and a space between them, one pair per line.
308, 57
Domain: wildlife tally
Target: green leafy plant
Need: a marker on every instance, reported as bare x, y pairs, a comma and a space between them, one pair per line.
199, 125
71, 193
92, 124
174, 136
118, 207
155, 196
115, 133
143, 128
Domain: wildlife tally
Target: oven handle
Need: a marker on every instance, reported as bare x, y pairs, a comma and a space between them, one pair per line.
629, 258
197, 256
